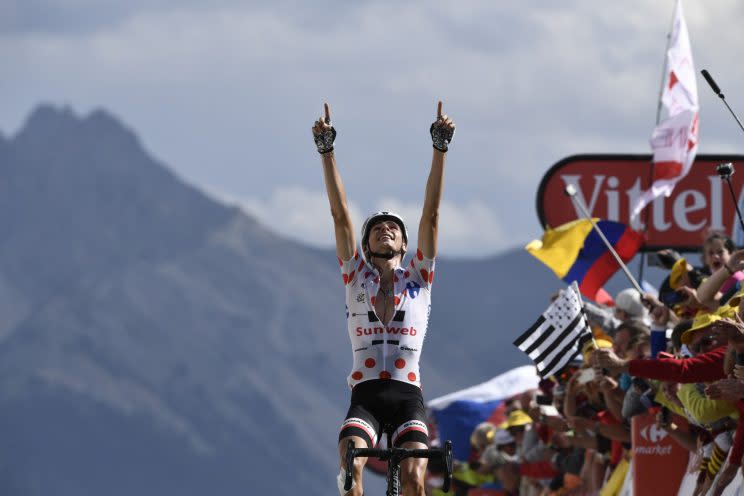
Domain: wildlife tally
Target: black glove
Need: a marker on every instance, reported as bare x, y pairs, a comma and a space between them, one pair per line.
324, 140
441, 136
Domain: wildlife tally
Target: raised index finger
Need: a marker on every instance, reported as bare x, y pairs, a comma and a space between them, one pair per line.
439, 110
327, 110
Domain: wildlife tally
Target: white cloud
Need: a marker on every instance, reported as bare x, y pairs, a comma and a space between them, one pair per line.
225, 94
470, 229
293, 211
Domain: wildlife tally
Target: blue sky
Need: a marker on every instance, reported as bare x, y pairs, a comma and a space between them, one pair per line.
225, 94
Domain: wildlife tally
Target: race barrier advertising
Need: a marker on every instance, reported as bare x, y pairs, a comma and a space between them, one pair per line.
659, 462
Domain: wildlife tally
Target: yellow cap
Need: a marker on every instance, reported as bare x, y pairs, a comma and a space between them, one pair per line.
727, 312
517, 418
589, 347
679, 269
702, 321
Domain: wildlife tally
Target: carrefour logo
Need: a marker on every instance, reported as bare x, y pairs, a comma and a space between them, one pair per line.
653, 434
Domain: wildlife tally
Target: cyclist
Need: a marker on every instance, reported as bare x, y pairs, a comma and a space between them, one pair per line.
387, 309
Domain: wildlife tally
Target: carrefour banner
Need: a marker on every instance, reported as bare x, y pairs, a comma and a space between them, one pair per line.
609, 185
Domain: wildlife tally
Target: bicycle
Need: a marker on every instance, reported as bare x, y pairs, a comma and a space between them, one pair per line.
394, 456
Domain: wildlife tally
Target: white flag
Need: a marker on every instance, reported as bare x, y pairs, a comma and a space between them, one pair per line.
674, 141
558, 335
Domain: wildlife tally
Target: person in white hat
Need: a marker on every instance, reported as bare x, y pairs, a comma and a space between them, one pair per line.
387, 311
628, 307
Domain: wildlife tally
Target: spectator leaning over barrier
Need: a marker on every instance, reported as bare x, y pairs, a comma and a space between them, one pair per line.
705, 367
714, 416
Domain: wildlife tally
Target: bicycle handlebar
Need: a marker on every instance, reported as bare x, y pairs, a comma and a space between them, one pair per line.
399, 454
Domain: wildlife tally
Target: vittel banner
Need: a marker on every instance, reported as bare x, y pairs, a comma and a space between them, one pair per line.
610, 184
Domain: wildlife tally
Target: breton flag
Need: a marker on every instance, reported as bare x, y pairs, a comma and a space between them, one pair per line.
675, 139
558, 335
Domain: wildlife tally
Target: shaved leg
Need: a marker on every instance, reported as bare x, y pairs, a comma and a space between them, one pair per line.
413, 471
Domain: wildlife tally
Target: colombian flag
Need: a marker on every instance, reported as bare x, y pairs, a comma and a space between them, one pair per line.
575, 252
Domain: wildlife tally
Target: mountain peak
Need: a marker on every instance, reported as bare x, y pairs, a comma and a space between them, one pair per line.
52, 122
48, 116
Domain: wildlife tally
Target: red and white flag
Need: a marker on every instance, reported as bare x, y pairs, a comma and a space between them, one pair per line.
674, 140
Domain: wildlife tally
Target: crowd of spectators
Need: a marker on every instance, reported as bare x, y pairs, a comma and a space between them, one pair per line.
678, 354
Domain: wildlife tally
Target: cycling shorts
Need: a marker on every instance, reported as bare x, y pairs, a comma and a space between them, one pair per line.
380, 403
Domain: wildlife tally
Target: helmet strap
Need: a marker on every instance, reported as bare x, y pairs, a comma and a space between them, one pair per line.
385, 256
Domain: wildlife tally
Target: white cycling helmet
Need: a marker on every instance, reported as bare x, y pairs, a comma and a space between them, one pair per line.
380, 217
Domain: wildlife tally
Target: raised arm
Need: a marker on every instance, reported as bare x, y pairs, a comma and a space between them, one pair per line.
709, 290
442, 131
324, 135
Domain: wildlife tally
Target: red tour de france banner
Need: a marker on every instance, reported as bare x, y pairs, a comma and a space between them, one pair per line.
610, 184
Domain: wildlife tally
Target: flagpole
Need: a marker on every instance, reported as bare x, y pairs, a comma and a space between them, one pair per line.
659, 105
571, 192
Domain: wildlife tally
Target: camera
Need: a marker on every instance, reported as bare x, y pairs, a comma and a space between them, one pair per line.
725, 170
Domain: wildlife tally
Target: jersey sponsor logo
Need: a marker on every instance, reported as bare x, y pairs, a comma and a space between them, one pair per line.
359, 423
406, 348
413, 289
370, 331
360, 298
411, 425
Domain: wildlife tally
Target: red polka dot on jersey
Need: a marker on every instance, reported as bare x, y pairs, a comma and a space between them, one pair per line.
340, 263
367, 274
369, 363
373, 300
397, 301
376, 280
424, 274
400, 363
412, 377
346, 278
356, 255
361, 266
385, 375
395, 279
357, 375
412, 263
351, 276
419, 254
431, 277
406, 274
